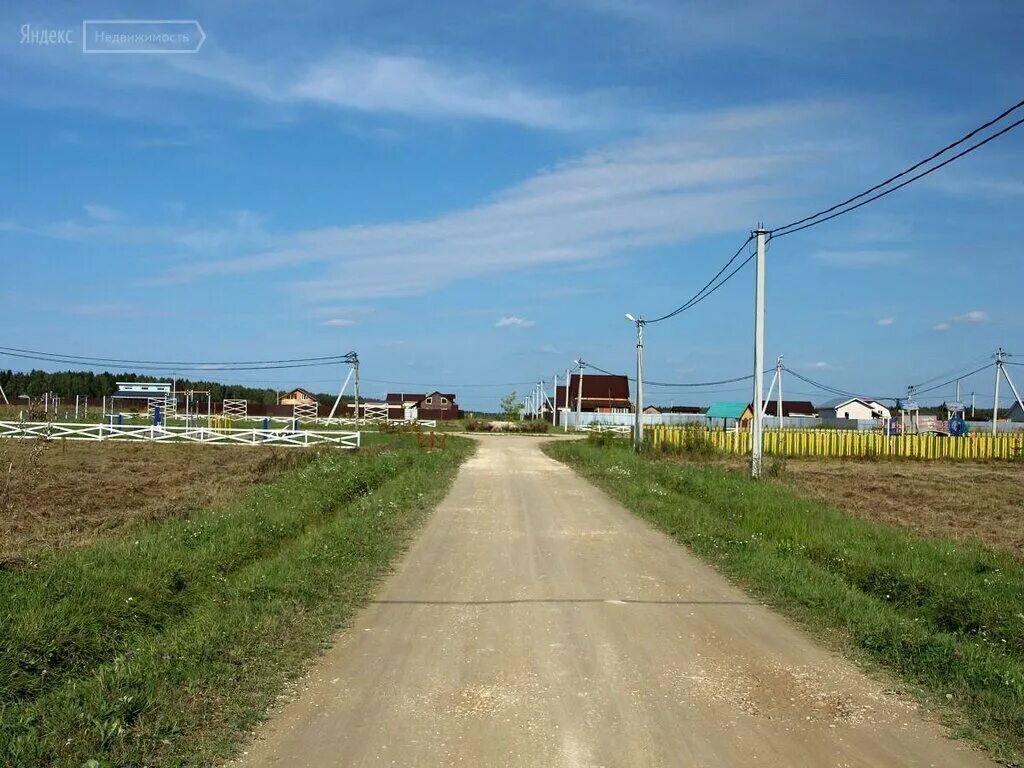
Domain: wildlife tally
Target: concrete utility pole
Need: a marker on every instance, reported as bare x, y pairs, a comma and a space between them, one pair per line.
757, 427
565, 405
995, 397
778, 373
4, 395
554, 401
355, 365
579, 393
638, 422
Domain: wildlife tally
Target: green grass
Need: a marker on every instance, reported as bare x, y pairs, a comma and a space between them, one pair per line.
947, 618
167, 647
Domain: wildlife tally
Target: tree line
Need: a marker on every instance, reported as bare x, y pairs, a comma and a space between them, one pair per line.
67, 384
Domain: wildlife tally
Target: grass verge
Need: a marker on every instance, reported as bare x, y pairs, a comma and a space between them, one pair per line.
165, 648
946, 617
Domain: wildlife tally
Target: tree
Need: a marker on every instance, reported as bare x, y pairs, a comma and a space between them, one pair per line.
511, 407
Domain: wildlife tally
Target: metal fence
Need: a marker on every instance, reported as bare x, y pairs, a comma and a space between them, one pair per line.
164, 434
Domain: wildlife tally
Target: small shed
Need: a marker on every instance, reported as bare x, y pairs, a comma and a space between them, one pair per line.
739, 412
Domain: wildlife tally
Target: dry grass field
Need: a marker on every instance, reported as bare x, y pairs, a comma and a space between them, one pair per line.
979, 500
68, 494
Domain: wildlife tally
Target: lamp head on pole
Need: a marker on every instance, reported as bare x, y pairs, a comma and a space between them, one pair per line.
630, 318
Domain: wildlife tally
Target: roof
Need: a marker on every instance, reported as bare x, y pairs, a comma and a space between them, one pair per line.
727, 409
683, 409
790, 408
599, 387
839, 403
397, 398
306, 392
449, 395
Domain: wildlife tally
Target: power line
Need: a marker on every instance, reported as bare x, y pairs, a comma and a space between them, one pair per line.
171, 368
697, 297
453, 386
841, 208
830, 389
917, 392
949, 372
676, 384
171, 362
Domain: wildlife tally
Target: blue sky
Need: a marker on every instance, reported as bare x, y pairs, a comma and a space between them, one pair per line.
476, 193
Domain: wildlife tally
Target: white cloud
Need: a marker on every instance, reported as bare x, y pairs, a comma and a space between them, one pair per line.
339, 322
861, 259
100, 212
697, 180
513, 322
382, 82
820, 365
975, 316
886, 321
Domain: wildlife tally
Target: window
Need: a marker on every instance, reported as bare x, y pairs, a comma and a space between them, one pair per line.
444, 401
430, 400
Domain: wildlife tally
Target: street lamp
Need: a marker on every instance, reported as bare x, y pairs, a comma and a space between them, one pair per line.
638, 424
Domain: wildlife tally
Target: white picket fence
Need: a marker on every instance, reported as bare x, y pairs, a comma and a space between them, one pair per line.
618, 429
164, 434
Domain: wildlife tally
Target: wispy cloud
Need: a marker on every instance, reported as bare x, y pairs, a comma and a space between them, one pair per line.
974, 317
100, 212
339, 322
819, 365
694, 181
886, 321
861, 259
513, 322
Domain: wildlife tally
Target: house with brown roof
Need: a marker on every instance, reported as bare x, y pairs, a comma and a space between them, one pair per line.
297, 396
602, 393
790, 408
419, 405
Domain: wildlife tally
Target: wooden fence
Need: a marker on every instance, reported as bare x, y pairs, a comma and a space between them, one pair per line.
22, 430
837, 443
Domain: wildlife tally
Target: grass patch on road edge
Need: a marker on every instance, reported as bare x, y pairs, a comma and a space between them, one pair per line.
168, 648
946, 617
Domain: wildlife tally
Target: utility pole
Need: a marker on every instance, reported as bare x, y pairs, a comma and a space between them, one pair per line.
565, 405
972, 406
355, 364
579, 393
4, 395
757, 428
995, 398
554, 401
638, 421
778, 374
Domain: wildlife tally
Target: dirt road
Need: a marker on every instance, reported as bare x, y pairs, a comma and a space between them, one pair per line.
537, 623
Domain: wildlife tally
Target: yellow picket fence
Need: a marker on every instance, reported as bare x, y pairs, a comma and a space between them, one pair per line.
837, 443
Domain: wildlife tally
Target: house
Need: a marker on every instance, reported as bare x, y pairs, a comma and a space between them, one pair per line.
419, 405
1016, 413
602, 393
297, 396
739, 412
653, 409
858, 408
790, 408
693, 409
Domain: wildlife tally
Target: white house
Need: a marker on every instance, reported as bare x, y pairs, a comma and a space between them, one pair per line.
855, 408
